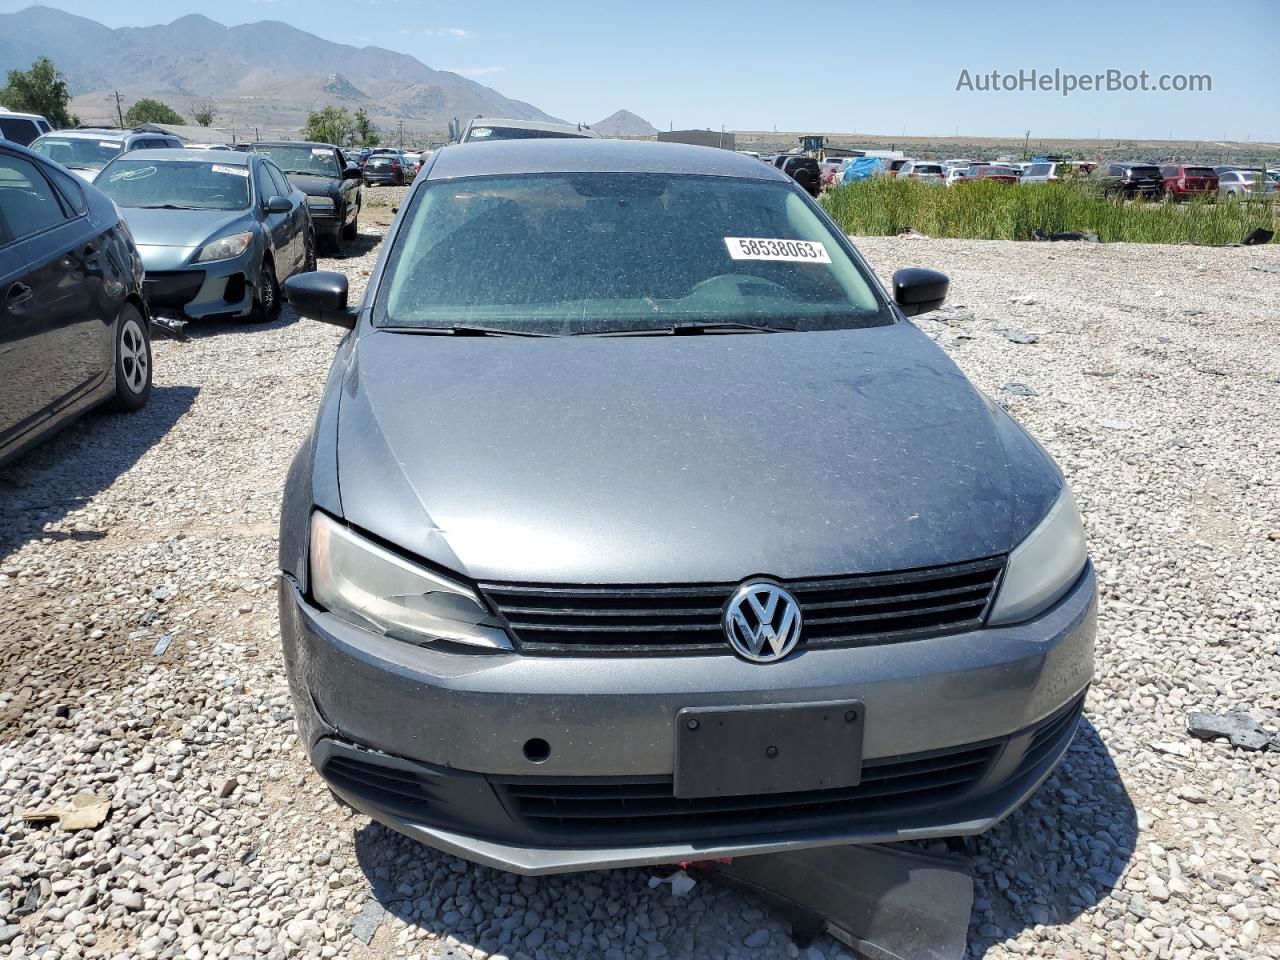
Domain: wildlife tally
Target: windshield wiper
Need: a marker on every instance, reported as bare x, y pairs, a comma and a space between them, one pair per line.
693, 329
167, 206
468, 331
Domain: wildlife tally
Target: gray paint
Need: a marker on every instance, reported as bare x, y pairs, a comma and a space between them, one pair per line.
660, 459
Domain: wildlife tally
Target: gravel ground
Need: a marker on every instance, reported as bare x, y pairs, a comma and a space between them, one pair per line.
140, 659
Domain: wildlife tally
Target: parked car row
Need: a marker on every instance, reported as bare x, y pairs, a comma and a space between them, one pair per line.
99, 237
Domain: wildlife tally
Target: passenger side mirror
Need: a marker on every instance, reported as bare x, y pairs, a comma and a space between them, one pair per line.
278, 204
918, 291
320, 295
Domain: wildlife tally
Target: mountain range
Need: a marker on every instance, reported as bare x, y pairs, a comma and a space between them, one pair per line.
266, 75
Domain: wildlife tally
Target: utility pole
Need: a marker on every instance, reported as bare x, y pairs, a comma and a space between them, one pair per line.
1026, 139
119, 112
401, 134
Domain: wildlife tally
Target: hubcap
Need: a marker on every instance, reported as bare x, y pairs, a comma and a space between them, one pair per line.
268, 289
133, 356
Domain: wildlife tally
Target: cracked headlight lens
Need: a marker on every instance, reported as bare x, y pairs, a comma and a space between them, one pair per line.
368, 585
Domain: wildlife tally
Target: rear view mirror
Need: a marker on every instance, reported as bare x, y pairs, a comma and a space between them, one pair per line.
278, 205
918, 291
321, 295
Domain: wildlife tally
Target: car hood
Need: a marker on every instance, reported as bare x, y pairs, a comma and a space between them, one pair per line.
167, 238
313, 186
679, 459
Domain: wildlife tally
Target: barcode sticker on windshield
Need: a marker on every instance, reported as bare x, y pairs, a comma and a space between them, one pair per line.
320, 151
110, 144
790, 251
234, 171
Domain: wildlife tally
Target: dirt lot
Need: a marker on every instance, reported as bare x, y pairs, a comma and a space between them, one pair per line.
140, 654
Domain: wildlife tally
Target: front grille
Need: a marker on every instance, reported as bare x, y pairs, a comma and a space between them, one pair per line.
838, 611
391, 788
647, 806
172, 288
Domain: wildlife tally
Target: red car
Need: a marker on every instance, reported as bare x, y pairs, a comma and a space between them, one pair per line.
891, 167
1182, 181
990, 171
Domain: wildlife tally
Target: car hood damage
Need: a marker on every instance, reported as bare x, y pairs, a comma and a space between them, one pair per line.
681, 459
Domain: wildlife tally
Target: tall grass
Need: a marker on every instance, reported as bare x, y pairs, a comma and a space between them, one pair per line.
995, 211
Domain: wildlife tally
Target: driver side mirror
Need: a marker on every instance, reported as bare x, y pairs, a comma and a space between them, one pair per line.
277, 204
321, 295
918, 291
352, 172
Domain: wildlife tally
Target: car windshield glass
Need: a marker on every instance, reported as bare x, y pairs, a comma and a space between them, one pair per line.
308, 161
382, 161
191, 184
78, 152
518, 133
592, 253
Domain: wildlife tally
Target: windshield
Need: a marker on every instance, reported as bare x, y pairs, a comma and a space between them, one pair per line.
77, 152
518, 133
187, 184
307, 161
591, 253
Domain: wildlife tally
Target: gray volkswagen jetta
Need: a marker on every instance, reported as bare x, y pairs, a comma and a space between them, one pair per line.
638, 524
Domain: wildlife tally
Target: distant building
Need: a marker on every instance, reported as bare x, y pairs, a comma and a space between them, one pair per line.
699, 138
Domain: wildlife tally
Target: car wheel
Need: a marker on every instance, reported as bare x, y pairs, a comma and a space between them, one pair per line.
309, 258
266, 302
351, 231
133, 361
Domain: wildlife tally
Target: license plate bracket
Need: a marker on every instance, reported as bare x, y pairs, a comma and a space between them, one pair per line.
768, 748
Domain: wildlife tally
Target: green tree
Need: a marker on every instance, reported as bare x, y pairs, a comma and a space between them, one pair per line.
330, 125
42, 90
151, 111
205, 114
364, 133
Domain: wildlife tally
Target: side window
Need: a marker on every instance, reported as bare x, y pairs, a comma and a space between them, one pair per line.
28, 202
282, 186
262, 177
72, 194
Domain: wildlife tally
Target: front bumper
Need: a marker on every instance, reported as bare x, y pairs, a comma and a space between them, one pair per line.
964, 727
220, 287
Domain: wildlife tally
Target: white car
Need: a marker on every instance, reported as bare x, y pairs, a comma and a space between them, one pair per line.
925, 170
953, 174
482, 129
1045, 172
22, 128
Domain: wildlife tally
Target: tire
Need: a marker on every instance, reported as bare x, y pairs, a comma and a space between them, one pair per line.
266, 302
133, 361
351, 231
309, 258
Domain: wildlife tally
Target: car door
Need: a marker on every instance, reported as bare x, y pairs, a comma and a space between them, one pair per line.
298, 218
50, 290
277, 225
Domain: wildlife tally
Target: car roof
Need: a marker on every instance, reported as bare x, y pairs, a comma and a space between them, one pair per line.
227, 158
589, 155
92, 133
291, 143
21, 116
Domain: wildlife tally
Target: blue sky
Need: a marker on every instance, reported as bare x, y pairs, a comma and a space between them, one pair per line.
880, 67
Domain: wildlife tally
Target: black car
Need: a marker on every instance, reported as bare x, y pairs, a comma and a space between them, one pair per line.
1128, 180
804, 171
74, 326
331, 182
385, 168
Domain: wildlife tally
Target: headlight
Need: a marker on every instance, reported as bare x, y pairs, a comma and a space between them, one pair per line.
323, 202
224, 248
1044, 566
374, 588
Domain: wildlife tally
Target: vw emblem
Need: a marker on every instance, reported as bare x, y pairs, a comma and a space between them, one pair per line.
762, 621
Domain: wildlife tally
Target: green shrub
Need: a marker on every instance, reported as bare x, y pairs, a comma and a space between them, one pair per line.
987, 210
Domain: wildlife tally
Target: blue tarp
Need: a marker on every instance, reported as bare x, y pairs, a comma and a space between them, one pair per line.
862, 167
